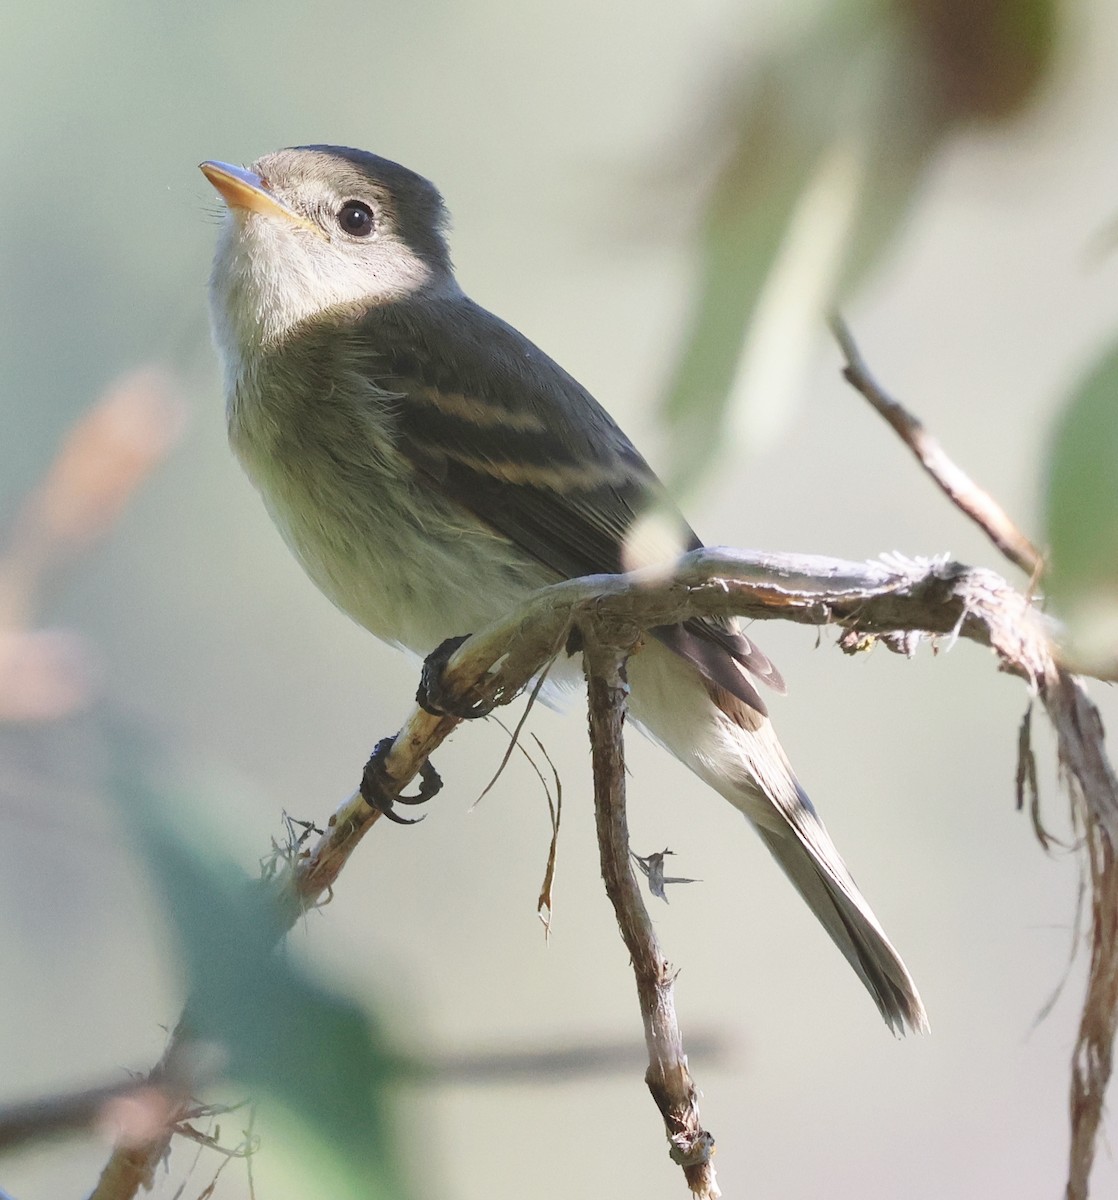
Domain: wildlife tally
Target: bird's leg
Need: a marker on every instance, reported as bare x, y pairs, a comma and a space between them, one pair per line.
435, 698
378, 795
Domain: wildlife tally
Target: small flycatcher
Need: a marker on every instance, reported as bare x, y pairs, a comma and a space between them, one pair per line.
430, 467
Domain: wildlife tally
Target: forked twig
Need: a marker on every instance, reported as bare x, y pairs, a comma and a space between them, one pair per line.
1091, 782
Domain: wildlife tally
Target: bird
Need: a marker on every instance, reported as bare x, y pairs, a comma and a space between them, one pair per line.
430, 467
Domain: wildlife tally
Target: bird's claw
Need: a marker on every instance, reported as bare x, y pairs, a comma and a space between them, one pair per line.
376, 793
433, 697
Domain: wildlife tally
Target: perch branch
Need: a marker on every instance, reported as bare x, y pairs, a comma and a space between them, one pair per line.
932, 597
667, 1076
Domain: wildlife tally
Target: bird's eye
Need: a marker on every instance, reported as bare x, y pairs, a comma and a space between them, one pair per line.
356, 218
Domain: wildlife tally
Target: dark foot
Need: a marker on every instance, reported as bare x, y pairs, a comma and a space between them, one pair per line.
377, 795
432, 697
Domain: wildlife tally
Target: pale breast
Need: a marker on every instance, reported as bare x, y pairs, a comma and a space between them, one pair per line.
400, 559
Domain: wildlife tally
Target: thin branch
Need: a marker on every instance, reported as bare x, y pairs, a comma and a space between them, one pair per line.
129, 1105
135, 1109
46, 674
496, 1068
1091, 783
134, 1160
963, 492
1093, 1057
106, 455
667, 1076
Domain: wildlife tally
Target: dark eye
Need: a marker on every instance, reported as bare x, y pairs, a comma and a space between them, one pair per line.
356, 218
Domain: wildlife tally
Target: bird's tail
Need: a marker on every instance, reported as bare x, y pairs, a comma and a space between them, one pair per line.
733, 748
843, 912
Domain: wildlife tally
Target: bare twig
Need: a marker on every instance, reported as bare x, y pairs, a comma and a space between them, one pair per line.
652, 867
1093, 794
963, 492
132, 1164
667, 1076
1093, 1057
135, 1110
500, 1067
1091, 783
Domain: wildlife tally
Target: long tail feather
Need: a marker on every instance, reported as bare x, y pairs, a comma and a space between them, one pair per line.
732, 746
845, 915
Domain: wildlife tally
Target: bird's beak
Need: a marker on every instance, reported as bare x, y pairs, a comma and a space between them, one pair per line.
244, 191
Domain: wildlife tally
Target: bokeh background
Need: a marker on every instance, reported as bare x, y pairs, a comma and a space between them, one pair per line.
574, 143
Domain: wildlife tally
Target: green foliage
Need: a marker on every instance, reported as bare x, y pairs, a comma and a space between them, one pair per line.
829, 142
1082, 512
311, 1059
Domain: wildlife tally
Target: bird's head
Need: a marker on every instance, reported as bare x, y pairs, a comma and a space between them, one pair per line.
316, 228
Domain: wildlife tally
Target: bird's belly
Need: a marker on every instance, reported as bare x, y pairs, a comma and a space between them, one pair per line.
408, 566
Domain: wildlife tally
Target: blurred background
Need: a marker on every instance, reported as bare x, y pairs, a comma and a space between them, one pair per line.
578, 146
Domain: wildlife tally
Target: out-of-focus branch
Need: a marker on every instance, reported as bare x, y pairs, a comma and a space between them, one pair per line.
44, 674
105, 457
134, 1111
667, 1076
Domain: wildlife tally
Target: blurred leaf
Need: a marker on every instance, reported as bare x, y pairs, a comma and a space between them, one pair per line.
1082, 512
986, 58
829, 141
309, 1057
